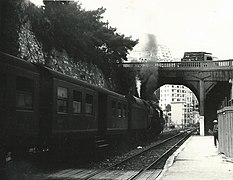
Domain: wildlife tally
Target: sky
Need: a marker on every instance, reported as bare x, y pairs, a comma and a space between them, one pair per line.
181, 25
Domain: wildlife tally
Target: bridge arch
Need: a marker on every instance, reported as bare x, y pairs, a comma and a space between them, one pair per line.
209, 81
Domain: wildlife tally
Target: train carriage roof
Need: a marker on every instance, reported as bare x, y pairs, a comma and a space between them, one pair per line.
49, 73
16, 62
64, 77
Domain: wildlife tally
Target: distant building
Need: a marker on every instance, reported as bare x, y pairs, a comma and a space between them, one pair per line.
197, 56
148, 49
164, 54
177, 113
145, 50
178, 96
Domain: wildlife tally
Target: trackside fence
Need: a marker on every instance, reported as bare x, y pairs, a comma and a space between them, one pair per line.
225, 130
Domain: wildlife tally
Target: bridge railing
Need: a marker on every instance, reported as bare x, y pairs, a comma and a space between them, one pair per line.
183, 64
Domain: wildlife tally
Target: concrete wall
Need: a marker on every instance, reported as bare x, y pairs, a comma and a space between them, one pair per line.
177, 114
225, 132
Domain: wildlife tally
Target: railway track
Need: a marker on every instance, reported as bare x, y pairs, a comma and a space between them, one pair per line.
145, 164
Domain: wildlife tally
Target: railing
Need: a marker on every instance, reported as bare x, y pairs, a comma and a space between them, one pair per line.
189, 64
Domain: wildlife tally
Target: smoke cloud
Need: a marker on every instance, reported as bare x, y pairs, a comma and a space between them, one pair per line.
149, 80
148, 74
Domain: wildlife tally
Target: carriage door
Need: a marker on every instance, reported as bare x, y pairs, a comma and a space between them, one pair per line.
102, 117
2, 104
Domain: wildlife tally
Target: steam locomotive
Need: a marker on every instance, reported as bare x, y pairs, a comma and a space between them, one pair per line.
40, 106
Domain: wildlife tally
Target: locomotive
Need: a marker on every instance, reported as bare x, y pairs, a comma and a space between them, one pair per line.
41, 107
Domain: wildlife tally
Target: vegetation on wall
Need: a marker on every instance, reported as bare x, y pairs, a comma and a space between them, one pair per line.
66, 27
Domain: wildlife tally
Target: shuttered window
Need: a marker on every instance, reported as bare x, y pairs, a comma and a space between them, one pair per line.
89, 104
24, 93
77, 102
62, 100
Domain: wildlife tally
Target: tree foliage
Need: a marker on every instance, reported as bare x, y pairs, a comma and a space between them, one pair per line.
81, 33
9, 25
168, 107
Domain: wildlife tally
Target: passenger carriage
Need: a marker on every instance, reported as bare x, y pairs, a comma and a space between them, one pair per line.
19, 102
41, 107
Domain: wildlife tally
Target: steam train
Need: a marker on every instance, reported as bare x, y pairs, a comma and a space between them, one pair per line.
40, 106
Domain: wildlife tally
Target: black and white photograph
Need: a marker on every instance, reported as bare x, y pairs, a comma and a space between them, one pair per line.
116, 90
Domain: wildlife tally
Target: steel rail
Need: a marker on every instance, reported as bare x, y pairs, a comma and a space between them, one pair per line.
133, 156
158, 160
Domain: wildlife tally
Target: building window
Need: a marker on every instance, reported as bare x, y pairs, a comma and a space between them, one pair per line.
77, 102
62, 100
24, 93
89, 104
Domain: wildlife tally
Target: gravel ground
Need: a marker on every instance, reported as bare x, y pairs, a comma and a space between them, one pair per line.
121, 149
126, 149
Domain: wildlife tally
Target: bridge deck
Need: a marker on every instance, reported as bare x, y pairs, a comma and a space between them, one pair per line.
182, 64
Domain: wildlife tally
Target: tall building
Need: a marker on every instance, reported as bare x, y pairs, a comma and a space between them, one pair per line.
164, 54
146, 50
149, 49
180, 98
182, 102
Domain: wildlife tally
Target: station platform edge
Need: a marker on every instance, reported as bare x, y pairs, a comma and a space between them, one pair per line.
197, 159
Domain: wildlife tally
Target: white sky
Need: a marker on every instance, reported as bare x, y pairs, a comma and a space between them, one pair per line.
182, 25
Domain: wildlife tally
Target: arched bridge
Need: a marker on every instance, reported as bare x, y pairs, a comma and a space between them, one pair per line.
209, 80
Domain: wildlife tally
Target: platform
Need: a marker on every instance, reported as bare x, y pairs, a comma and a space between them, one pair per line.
197, 159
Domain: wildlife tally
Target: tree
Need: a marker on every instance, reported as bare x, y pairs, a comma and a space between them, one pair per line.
168, 107
82, 34
66, 27
126, 78
10, 13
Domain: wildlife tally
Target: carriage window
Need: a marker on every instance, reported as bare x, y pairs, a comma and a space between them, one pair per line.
124, 110
89, 104
114, 109
77, 102
62, 100
119, 110
24, 93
